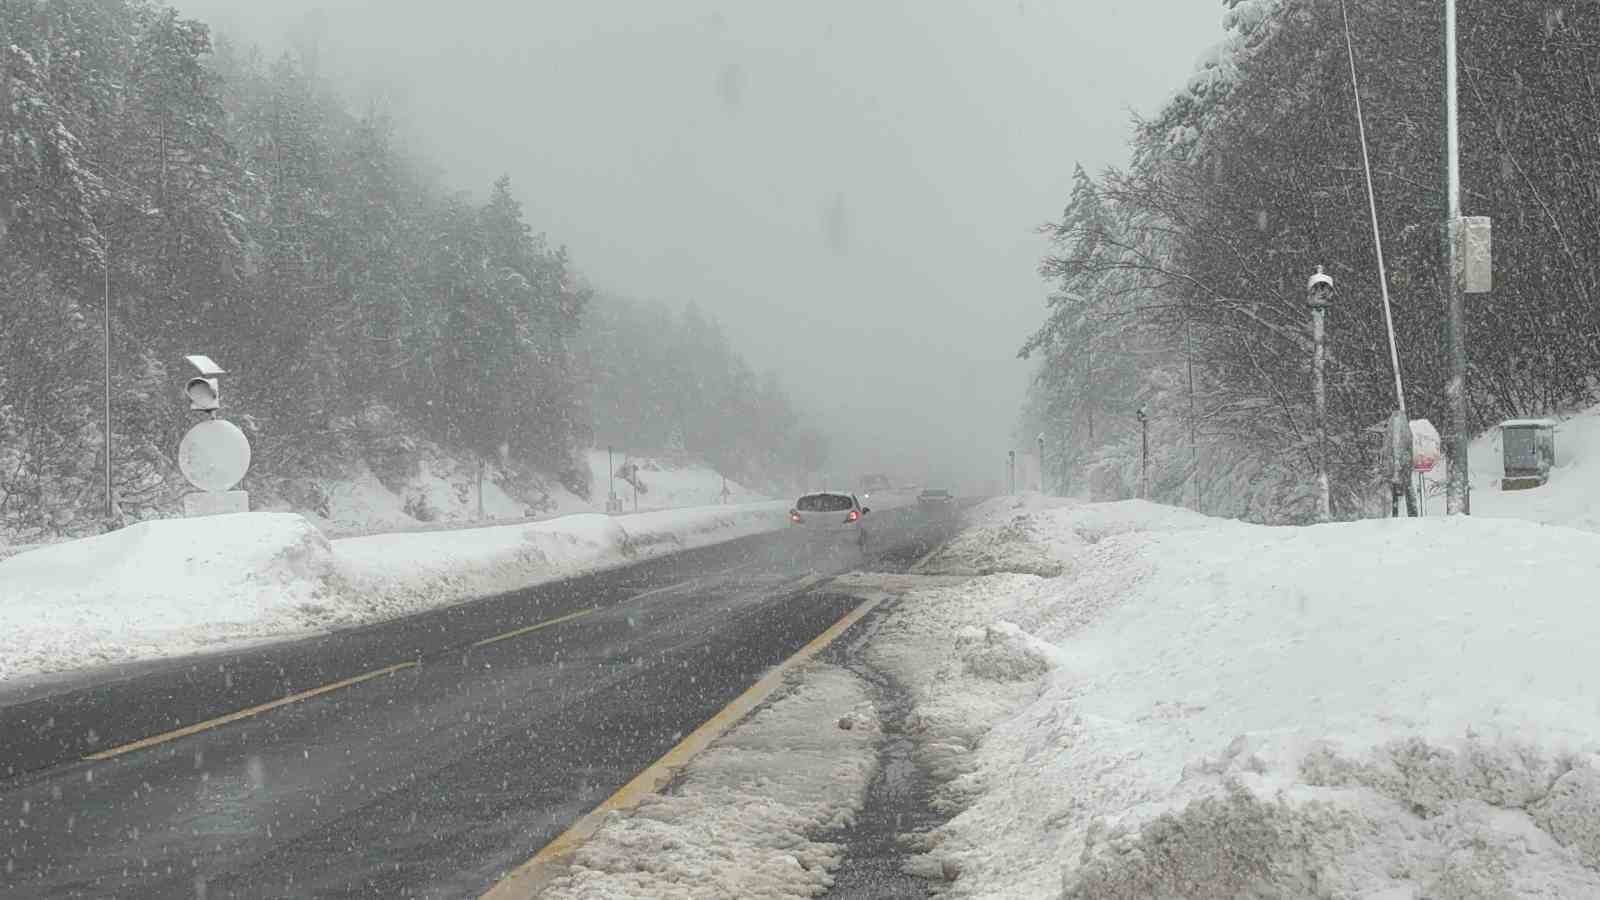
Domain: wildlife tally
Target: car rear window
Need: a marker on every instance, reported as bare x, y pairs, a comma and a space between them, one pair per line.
824, 503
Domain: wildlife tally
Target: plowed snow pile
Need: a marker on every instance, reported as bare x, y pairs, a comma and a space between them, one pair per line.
174, 586
1206, 709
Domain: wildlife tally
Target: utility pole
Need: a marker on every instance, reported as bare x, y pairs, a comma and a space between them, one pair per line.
1011, 471
1194, 446
1088, 364
1144, 454
480, 487
612, 503
105, 285
1457, 494
1319, 290
1041, 463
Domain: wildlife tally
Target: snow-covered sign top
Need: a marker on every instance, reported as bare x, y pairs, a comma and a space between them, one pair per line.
1425, 445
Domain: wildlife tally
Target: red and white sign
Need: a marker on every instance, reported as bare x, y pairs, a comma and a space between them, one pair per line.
1426, 448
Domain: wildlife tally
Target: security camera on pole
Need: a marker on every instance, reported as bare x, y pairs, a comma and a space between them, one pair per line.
214, 454
1319, 292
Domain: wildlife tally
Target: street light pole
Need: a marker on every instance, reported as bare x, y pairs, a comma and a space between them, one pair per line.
1144, 454
1319, 290
1458, 490
1194, 446
105, 286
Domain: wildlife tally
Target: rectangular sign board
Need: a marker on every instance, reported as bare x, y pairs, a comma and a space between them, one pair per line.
1473, 258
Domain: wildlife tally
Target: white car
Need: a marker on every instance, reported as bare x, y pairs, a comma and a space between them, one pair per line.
830, 515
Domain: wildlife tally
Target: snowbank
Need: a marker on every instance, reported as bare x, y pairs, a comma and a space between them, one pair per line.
740, 821
1008, 534
145, 590
395, 574
1202, 708
176, 586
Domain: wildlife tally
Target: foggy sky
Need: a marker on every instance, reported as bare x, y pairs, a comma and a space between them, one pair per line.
851, 186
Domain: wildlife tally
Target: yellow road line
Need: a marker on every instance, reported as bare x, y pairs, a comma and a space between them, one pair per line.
198, 727
535, 627
525, 881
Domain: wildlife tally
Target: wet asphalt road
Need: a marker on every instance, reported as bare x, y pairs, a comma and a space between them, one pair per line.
430, 781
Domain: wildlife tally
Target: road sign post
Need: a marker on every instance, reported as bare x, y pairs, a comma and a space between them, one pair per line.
213, 455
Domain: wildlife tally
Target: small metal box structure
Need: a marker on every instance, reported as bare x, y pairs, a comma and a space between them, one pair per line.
1529, 450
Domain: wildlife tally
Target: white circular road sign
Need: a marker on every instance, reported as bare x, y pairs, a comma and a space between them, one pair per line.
214, 455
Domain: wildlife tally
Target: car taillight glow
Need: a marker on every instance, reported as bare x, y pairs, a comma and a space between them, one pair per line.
854, 515
794, 516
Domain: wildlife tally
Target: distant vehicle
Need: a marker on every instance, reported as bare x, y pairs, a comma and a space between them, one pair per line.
875, 482
936, 500
830, 515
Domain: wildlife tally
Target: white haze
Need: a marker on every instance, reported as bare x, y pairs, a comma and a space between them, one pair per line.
851, 187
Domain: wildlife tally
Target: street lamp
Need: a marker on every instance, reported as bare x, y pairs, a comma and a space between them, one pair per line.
1457, 497
1144, 453
1319, 292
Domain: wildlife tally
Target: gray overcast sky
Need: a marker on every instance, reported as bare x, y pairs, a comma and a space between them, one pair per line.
851, 186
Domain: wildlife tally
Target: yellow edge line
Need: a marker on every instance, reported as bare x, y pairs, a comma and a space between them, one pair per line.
521, 631
187, 730
526, 880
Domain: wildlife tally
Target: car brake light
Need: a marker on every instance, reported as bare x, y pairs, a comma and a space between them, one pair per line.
794, 516
853, 516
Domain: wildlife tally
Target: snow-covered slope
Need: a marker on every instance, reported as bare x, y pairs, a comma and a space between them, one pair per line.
1202, 708
668, 485
175, 586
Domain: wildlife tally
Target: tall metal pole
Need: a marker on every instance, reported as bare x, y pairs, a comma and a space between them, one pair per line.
1194, 447
1317, 293
1144, 460
1457, 494
1372, 211
1011, 471
1144, 454
105, 285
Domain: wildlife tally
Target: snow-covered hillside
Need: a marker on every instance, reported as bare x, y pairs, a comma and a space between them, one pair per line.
1204, 708
440, 490
664, 484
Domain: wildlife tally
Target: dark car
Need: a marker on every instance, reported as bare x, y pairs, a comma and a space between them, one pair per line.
936, 501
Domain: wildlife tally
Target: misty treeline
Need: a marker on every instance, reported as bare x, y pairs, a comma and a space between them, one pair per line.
668, 380
1249, 179
231, 204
